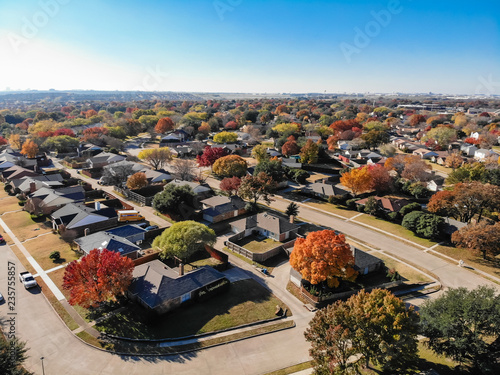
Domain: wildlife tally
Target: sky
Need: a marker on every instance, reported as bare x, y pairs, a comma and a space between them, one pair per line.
252, 46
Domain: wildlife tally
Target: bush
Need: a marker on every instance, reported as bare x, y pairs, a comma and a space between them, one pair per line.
55, 256
7, 188
410, 208
429, 225
410, 220
393, 216
21, 203
351, 204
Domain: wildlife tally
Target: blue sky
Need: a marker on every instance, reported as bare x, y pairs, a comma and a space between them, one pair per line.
252, 45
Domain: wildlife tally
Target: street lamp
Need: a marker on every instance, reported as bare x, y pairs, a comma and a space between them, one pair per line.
43, 369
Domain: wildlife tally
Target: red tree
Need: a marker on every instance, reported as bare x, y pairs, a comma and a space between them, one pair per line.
164, 125
343, 125
381, 181
3, 141
210, 156
90, 113
92, 133
290, 148
64, 131
416, 119
97, 277
231, 125
230, 185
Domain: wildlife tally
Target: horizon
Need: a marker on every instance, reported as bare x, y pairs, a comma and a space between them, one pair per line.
252, 47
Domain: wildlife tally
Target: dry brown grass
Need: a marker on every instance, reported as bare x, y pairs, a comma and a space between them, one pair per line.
8, 204
41, 247
23, 227
22, 259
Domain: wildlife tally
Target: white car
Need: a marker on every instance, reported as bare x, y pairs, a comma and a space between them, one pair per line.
1, 298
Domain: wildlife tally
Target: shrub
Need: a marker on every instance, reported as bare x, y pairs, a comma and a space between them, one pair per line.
55, 256
393, 216
351, 204
429, 225
21, 203
410, 220
410, 208
7, 188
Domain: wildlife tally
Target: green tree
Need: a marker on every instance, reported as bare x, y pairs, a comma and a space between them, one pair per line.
225, 137
183, 239
414, 206
12, 356
272, 168
374, 138
429, 225
172, 196
292, 209
410, 220
62, 143
464, 325
260, 154
372, 207
309, 153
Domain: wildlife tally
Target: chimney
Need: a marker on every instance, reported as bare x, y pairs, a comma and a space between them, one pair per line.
32, 187
97, 206
181, 269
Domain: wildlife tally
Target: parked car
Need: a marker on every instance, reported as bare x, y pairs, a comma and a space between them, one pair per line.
1, 298
27, 279
152, 227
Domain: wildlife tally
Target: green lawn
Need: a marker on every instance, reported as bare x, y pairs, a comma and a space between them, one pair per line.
245, 302
258, 244
395, 229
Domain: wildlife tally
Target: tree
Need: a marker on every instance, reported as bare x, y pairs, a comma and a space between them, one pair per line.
464, 325
272, 168
61, 143
12, 356
443, 135
157, 158
292, 210
387, 150
372, 207
323, 255
429, 225
229, 166
309, 153
184, 170
3, 141
381, 181
183, 239
358, 180
230, 185
30, 149
290, 148
465, 201
164, 125
480, 238
374, 326
15, 141
414, 206
117, 174
210, 156
260, 154
454, 161
137, 181
225, 137
99, 276
416, 119
257, 187
410, 220
375, 138
172, 197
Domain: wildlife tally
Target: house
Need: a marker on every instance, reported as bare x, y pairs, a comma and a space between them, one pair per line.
30, 184
468, 149
106, 240
123, 164
387, 204
267, 225
483, 154
48, 200
441, 157
202, 191
323, 190
291, 162
131, 232
17, 172
103, 159
161, 289
174, 138
8, 158
221, 208
425, 154
157, 177
83, 219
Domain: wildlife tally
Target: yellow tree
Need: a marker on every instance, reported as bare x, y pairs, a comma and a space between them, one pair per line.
156, 157
358, 180
15, 141
30, 149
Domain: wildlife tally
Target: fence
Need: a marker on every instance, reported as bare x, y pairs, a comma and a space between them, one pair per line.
258, 257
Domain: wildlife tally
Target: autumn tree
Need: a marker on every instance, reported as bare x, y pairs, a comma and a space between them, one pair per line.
373, 326
374, 138
225, 137
30, 149
184, 170
381, 181
99, 276
137, 181
157, 158
453, 161
411, 167
481, 238
309, 153
229, 166
465, 201
164, 125
465, 325
257, 187
260, 154
272, 168
442, 135
290, 148
15, 141
323, 256
210, 156
183, 239
230, 185
359, 180
416, 119
3, 141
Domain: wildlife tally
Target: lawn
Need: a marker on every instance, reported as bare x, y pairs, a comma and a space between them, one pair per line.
333, 208
23, 227
9, 204
258, 244
411, 275
245, 302
41, 247
395, 229
476, 261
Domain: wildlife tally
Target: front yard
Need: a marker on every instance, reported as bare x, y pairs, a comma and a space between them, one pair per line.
245, 302
41, 247
21, 224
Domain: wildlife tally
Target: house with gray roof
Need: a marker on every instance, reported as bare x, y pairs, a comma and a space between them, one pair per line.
323, 190
202, 191
30, 184
221, 208
17, 172
161, 289
46, 200
106, 240
83, 219
103, 159
157, 177
267, 225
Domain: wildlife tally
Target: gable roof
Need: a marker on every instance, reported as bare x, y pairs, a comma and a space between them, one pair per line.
155, 283
265, 221
324, 189
136, 167
106, 240
126, 230
197, 188
363, 259
24, 183
74, 215
72, 193
157, 176
390, 204
219, 205
17, 172
106, 157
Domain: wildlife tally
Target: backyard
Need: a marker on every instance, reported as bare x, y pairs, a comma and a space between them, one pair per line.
258, 244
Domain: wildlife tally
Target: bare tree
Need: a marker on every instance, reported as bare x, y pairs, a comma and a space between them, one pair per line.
184, 170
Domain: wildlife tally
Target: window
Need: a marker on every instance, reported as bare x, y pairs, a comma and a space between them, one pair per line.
186, 297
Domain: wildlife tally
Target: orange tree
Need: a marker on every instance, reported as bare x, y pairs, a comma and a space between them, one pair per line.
137, 180
164, 124
480, 237
30, 149
98, 277
358, 180
323, 256
230, 166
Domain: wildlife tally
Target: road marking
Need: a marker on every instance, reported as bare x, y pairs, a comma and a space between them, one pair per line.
354, 217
